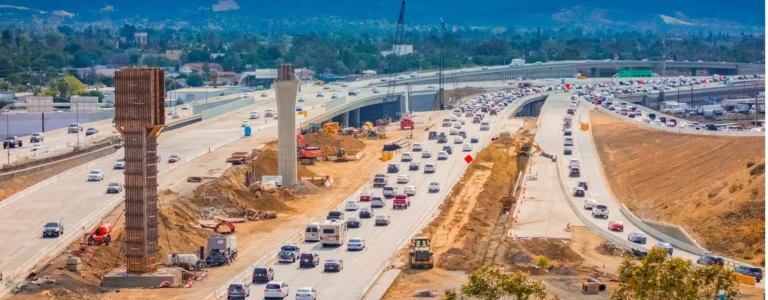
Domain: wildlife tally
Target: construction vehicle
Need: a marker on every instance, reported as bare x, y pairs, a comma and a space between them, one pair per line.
421, 255
341, 155
307, 155
222, 250
332, 127
406, 122
239, 158
524, 149
315, 127
101, 235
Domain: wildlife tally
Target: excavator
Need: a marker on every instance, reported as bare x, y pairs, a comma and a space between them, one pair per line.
421, 255
524, 149
307, 155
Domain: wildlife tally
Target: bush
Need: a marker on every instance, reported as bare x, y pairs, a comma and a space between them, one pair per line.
750, 164
543, 262
758, 169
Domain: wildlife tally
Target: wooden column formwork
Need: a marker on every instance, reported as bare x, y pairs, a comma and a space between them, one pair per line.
140, 117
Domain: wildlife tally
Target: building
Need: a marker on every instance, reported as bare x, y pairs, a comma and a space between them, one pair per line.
305, 74
140, 38
174, 55
227, 78
402, 50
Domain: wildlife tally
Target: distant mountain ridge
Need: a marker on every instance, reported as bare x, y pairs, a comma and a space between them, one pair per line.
744, 15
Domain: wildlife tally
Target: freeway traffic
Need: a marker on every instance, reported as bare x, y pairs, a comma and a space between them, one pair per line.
360, 268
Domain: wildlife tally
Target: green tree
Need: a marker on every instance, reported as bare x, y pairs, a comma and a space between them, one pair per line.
206, 71
519, 285
179, 102
490, 283
657, 276
485, 283
214, 77
194, 79
63, 87
75, 86
98, 94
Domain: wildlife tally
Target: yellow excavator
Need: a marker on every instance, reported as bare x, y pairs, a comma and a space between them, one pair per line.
524, 149
421, 255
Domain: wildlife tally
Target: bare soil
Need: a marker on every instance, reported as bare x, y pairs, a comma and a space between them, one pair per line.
713, 186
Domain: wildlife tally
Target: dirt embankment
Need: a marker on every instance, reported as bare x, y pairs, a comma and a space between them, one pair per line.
456, 95
328, 143
712, 186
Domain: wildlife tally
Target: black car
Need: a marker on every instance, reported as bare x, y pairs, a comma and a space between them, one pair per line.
54, 228
448, 149
263, 274
757, 273
432, 135
335, 215
575, 172
414, 166
393, 168
584, 185
567, 151
309, 260
366, 212
463, 134
354, 222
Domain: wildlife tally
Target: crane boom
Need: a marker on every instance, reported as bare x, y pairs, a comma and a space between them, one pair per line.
394, 69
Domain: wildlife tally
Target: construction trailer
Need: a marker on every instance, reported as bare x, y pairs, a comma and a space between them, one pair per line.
140, 117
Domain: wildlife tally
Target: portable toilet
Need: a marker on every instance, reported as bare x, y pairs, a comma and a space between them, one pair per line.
247, 130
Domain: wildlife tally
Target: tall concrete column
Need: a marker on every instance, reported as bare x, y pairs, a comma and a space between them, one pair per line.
694, 71
344, 119
354, 118
286, 88
594, 73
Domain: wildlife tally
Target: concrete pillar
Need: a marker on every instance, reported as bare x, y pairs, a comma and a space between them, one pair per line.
286, 88
344, 120
693, 71
593, 72
354, 118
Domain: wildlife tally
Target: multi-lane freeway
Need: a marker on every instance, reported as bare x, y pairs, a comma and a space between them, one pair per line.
362, 267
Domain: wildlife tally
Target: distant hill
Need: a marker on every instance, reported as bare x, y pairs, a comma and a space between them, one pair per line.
744, 15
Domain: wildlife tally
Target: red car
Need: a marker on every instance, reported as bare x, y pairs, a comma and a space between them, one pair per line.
366, 196
173, 158
616, 226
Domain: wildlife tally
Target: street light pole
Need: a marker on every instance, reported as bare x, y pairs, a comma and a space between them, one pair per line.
77, 130
7, 134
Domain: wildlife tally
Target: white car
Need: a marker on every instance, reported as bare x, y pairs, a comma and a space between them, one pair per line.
453, 131
467, 147
434, 187
589, 203
442, 155
344, 85
458, 140
462, 121
457, 125
355, 243
185, 107
351, 205
430, 86
426, 154
402, 178
406, 157
409, 190
254, 115
320, 95
306, 293
276, 289
119, 164
95, 175
244, 123
429, 168
378, 202
38, 148
417, 147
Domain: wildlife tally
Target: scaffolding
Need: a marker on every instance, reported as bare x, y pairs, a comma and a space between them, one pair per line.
140, 117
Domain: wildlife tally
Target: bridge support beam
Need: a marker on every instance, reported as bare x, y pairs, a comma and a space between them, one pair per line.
694, 71
286, 89
344, 122
354, 118
593, 72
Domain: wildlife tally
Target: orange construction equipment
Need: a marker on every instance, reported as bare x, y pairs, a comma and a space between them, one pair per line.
101, 235
307, 155
229, 225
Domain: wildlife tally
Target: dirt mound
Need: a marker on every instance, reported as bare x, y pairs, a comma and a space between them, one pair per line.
230, 195
456, 95
609, 248
517, 257
456, 259
265, 163
304, 187
713, 186
328, 142
552, 249
563, 270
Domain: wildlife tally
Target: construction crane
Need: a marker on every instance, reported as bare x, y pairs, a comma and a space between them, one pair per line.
439, 102
393, 69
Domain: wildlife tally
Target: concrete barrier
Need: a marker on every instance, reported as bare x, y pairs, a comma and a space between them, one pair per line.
695, 249
199, 107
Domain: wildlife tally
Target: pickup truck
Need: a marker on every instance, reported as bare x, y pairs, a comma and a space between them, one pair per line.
74, 128
12, 142
401, 201
36, 138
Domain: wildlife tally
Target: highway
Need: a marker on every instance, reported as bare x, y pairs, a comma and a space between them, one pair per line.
363, 267
584, 150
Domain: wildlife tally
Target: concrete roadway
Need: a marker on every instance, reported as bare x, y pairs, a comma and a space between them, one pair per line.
73, 199
362, 267
584, 150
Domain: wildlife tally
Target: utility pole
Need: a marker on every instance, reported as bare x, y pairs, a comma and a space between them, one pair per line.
77, 115
757, 109
7, 134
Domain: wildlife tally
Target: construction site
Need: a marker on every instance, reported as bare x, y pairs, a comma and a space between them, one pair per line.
712, 186
238, 207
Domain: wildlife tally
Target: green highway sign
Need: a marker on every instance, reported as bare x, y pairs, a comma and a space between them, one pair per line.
635, 73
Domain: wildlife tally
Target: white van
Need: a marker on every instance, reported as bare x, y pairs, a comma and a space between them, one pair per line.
312, 233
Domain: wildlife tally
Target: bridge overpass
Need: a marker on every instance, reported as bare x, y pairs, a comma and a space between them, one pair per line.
568, 69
